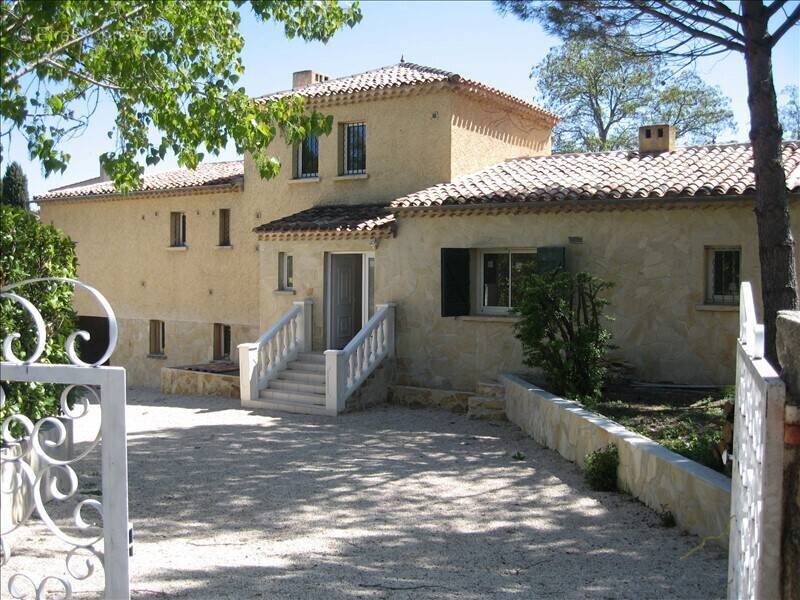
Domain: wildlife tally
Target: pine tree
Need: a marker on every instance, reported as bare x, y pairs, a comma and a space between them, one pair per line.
15, 186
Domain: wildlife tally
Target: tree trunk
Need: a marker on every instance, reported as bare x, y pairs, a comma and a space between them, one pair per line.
775, 243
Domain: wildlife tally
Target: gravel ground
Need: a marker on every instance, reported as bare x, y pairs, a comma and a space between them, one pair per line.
388, 503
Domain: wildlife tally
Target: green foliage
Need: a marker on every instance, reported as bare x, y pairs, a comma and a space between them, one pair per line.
561, 330
31, 249
600, 469
790, 112
14, 190
686, 439
169, 67
605, 94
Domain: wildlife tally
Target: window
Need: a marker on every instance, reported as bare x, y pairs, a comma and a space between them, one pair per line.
157, 338
224, 226
285, 271
723, 275
501, 273
177, 224
354, 148
222, 341
307, 158
478, 281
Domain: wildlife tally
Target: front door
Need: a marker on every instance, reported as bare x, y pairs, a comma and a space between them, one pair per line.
346, 298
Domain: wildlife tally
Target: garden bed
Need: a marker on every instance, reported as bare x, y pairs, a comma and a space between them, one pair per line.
689, 421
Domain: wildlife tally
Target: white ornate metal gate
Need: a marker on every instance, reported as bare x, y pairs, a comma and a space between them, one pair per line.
25, 446
756, 492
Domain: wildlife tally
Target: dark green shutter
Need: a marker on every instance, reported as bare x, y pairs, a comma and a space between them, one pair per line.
553, 258
455, 282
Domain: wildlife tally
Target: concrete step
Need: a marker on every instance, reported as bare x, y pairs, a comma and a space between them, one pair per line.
303, 376
486, 402
291, 396
307, 367
291, 407
490, 388
311, 357
296, 386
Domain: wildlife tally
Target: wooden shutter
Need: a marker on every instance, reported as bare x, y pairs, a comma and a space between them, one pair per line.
455, 282
552, 258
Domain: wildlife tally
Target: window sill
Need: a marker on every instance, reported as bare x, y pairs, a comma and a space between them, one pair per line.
225, 247
284, 292
304, 180
177, 248
508, 319
157, 356
718, 307
354, 177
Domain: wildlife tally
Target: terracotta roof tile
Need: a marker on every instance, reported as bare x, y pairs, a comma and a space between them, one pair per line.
716, 170
334, 218
400, 75
206, 174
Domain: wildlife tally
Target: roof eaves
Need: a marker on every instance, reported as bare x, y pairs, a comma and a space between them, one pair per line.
191, 190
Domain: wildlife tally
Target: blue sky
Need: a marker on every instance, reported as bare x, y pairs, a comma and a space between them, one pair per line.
469, 38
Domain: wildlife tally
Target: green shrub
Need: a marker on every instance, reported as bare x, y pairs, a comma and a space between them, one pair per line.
600, 469
30, 249
561, 330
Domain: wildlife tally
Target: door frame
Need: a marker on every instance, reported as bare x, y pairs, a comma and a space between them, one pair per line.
365, 256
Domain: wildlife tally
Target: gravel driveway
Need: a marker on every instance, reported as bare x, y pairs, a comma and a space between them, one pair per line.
388, 503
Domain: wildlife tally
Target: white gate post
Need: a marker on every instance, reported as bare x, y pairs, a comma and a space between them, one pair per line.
248, 371
306, 332
114, 450
335, 380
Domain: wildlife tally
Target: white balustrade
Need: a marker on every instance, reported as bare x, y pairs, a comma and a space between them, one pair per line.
347, 369
261, 361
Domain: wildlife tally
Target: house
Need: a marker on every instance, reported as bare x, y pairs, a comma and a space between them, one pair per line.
399, 235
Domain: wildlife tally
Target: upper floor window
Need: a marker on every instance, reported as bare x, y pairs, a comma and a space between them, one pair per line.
157, 331
354, 148
307, 158
723, 275
222, 341
177, 228
224, 226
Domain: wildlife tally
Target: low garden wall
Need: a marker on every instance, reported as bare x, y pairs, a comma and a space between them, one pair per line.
188, 383
698, 497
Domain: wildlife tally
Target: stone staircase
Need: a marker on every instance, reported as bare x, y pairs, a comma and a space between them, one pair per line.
488, 403
300, 388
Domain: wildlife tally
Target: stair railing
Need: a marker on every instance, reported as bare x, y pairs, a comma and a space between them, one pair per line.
261, 361
347, 369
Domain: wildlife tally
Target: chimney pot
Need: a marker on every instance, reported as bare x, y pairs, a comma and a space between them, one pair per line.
103, 174
308, 77
656, 138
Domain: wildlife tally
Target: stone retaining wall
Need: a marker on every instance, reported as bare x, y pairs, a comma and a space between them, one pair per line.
187, 383
698, 497
421, 397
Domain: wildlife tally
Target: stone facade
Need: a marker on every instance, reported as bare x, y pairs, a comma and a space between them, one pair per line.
698, 497
190, 383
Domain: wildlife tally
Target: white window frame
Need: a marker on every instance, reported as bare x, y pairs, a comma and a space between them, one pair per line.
496, 310
711, 298
181, 241
283, 271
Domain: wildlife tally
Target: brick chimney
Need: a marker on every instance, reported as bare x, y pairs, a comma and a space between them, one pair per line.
304, 78
656, 138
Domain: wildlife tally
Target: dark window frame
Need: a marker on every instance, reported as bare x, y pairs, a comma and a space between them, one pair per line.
723, 271
224, 227
354, 148
177, 229
157, 337
307, 158
222, 341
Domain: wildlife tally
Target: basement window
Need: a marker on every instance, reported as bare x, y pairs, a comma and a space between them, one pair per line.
157, 331
723, 275
222, 341
177, 228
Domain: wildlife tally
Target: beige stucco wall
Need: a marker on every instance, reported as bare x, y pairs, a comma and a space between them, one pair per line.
123, 243
656, 258
309, 279
484, 133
